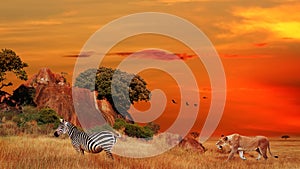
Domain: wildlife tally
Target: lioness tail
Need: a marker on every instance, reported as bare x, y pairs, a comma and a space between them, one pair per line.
275, 156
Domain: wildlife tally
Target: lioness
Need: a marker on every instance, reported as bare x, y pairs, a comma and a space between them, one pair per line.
240, 144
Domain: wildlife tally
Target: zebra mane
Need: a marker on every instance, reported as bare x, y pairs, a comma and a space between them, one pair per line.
72, 126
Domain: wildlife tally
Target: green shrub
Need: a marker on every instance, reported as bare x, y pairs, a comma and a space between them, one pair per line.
47, 116
29, 114
43, 116
31, 121
119, 124
135, 130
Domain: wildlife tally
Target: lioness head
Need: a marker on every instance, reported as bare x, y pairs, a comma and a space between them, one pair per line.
222, 141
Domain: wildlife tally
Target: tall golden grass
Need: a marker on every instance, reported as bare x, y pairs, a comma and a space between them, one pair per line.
22, 152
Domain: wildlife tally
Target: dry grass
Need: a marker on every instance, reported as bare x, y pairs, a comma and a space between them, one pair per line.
47, 152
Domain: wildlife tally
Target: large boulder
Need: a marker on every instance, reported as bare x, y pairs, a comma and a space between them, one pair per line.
53, 91
191, 143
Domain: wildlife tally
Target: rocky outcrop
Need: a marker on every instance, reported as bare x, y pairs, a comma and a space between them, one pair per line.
57, 97
191, 143
107, 111
53, 91
46, 77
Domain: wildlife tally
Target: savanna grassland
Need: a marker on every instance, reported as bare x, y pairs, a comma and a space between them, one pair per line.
48, 152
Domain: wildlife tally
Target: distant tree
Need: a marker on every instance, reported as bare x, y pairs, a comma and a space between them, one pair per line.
103, 77
194, 134
86, 80
11, 62
24, 95
285, 137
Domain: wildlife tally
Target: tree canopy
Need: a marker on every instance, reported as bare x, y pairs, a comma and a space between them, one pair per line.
11, 62
124, 91
24, 95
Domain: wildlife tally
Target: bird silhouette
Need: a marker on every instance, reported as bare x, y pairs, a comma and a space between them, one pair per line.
174, 101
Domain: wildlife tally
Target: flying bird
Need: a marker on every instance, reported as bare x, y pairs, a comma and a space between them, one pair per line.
187, 103
195, 105
174, 101
204, 97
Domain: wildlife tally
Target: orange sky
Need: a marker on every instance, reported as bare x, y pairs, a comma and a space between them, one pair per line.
258, 43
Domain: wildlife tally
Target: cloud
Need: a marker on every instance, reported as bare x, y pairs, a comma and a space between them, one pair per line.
69, 13
184, 1
45, 22
260, 44
156, 54
245, 55
82, 54
276, 22
230, 55
121, 53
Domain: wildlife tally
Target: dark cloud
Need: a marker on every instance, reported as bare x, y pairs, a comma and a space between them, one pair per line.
121, 53
260, 44
82, 54
156, 54
287, 38
230, 55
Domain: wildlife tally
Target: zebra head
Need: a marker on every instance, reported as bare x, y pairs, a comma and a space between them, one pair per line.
62, 128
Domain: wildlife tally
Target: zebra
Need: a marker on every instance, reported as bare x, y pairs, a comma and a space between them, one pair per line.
91, 143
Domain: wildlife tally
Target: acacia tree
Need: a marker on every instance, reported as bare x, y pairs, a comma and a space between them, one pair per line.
124, 93
11, 62
285, 136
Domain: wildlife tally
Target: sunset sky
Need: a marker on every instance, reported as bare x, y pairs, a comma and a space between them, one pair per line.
258, 43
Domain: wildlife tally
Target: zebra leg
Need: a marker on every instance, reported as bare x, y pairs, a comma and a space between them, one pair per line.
77, 147
109, 154
79, 150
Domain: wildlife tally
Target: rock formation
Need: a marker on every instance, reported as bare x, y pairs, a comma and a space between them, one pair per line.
190, 142
107, 111
53, 91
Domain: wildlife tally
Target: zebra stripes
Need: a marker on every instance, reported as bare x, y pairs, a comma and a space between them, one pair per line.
91, 143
